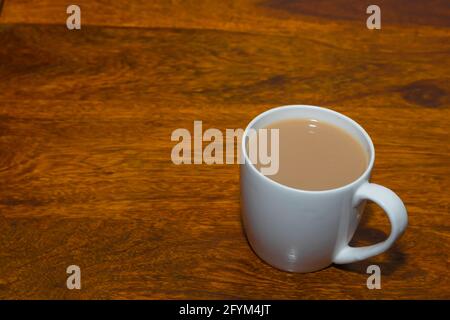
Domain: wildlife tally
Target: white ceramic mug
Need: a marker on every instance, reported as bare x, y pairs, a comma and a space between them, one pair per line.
303, 231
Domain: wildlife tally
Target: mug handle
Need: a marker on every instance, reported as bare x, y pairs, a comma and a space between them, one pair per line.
395, 210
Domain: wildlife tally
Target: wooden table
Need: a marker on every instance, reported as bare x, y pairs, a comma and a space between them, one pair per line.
86, 118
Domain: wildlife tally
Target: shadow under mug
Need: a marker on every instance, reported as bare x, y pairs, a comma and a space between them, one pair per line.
304, 231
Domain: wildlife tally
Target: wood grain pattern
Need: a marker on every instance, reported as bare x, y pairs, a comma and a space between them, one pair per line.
85, 124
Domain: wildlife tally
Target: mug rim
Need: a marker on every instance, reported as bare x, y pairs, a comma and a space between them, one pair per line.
266, 113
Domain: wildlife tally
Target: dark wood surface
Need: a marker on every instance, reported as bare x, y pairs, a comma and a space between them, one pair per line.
85, 124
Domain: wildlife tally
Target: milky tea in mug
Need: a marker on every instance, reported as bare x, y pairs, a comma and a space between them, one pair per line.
302, 216
316, 155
